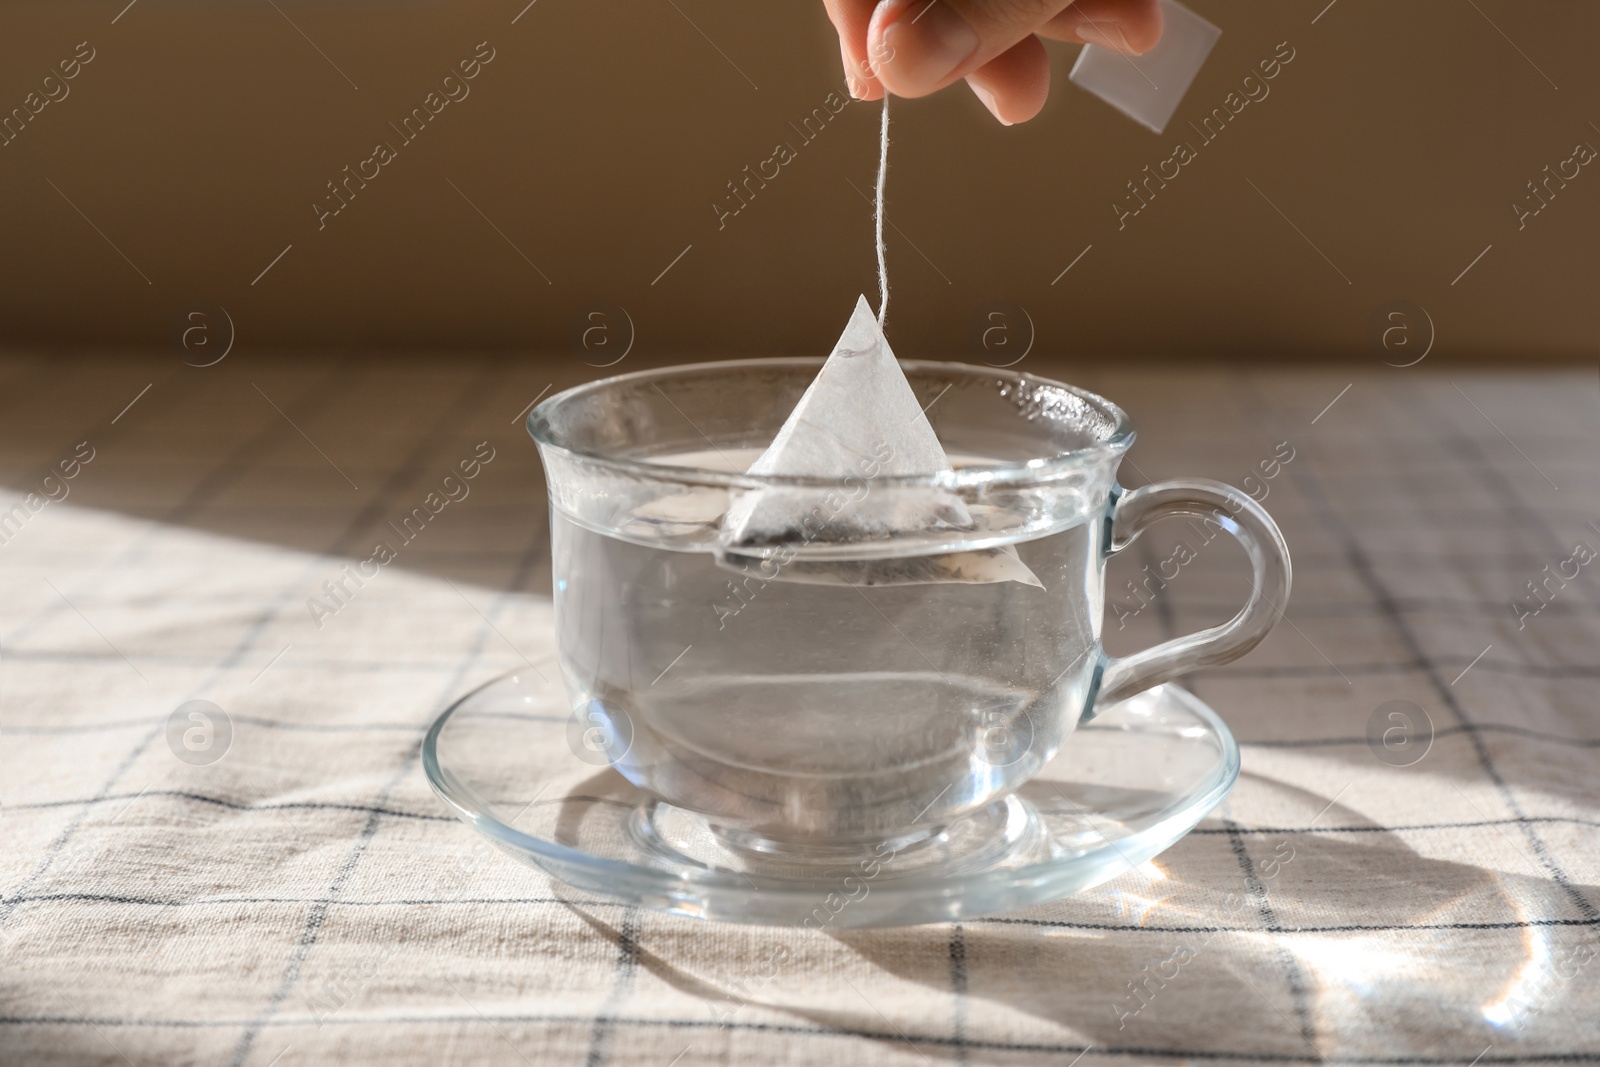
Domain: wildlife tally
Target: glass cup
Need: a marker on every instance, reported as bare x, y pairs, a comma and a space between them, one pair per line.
814, 694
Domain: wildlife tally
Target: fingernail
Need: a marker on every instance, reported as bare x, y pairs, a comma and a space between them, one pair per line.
1107, 34
852, 83
988, 101
923, 47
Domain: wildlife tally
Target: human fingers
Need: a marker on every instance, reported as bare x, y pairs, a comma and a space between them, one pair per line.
1014, 84
1129, 26
850, 19
917, 47
914, 47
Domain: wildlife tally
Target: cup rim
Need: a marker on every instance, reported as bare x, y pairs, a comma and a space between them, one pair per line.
1034, 469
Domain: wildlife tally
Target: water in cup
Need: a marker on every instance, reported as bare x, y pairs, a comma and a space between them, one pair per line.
790, 710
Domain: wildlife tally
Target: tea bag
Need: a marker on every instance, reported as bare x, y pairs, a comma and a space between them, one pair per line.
859, 420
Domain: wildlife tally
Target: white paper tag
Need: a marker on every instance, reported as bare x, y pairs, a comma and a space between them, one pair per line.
1149, 88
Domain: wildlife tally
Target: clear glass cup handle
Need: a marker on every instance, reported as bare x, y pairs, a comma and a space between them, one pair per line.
1248, 522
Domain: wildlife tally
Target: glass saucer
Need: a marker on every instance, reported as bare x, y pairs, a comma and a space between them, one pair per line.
509, 759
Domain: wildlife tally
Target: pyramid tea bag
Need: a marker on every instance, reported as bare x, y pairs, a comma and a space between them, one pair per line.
858, 420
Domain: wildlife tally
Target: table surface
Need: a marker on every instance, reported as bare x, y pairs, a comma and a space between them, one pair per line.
292, 902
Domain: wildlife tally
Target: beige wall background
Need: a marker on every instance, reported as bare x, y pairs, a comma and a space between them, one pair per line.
180, 169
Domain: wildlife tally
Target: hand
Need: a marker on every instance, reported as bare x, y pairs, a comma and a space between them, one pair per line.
915, 47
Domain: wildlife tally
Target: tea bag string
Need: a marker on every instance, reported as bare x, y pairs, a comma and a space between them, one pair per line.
883, 173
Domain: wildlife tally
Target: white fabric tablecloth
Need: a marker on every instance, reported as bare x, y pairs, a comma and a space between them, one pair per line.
301, 899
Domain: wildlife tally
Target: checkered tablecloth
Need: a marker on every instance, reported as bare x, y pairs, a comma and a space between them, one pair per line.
301, 899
